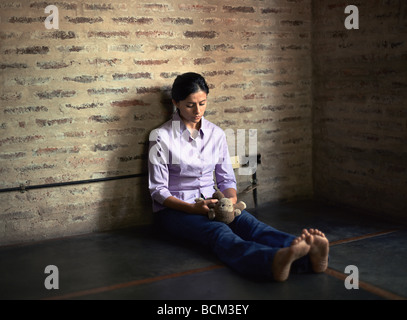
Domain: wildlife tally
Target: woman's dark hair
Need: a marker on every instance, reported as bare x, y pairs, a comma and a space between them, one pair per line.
186, 84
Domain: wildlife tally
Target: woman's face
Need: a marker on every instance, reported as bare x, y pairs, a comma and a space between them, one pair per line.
192, 109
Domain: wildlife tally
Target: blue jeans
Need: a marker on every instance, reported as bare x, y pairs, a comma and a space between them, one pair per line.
247, 245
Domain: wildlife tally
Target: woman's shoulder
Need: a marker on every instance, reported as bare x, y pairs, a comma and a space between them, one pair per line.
215, 129
161, 131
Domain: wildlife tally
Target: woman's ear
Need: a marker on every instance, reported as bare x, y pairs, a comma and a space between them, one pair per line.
175, 103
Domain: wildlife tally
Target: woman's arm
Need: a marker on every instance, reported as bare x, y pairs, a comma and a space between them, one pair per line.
191, 208
231, 194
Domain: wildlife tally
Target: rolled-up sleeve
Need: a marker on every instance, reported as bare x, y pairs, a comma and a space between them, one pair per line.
158, 173
225, 177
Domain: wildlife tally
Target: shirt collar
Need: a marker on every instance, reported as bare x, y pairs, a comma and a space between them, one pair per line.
182, 127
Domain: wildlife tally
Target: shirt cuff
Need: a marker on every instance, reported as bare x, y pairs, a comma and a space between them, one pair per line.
161, 195
226, 185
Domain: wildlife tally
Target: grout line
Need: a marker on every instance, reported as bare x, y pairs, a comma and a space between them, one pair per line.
132, 283
366, 286
366, 236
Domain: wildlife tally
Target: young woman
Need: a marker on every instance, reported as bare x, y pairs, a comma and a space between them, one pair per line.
184, 153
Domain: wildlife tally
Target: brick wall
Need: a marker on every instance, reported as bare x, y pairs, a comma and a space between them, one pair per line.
360, 109
78, 102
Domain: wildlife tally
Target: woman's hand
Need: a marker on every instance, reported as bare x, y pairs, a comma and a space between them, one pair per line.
202, 207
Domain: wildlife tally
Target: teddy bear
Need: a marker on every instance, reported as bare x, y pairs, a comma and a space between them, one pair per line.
224, 210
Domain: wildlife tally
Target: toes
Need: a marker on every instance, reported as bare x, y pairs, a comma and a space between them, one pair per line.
309, 239
317, 232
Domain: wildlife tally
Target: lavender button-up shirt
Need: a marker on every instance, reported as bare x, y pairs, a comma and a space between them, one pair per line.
181, 163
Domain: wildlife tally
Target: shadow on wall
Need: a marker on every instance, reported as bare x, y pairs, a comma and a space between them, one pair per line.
127, 202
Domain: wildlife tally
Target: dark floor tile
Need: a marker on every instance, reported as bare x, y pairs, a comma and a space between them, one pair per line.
381, 261
337, 223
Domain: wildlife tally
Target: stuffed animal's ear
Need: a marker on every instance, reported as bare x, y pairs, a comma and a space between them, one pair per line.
218, 195
240, 205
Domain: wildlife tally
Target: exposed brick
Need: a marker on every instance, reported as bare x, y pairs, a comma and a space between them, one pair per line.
178, 21
14, 155
13, 66
35, 167
105, 62
31, 81
108, 91
89, 20
55, 150
202, 61
126, 131
254, 96
26, 19
108, 147
201, 34
125, 76
168, 75
218, 47
22, 110
104, 119
257, 47
29, 50
10, 96
62, 5
12, 140
239, 110
275, 10
145, 116
127, 48
160, 7
55, 94
276, 83
129, 103
223, 99
98, 6
291, 23
151, 62
48, 123
83, 78
218, 73
168, 47
197, 8
134, 20
131, 158
58, 34
144, 90
231, 9
155, 34
108, 34
54, 64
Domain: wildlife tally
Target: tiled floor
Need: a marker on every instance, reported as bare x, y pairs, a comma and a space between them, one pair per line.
140, 263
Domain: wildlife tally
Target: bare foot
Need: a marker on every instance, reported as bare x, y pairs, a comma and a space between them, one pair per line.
319, 251
286, 256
